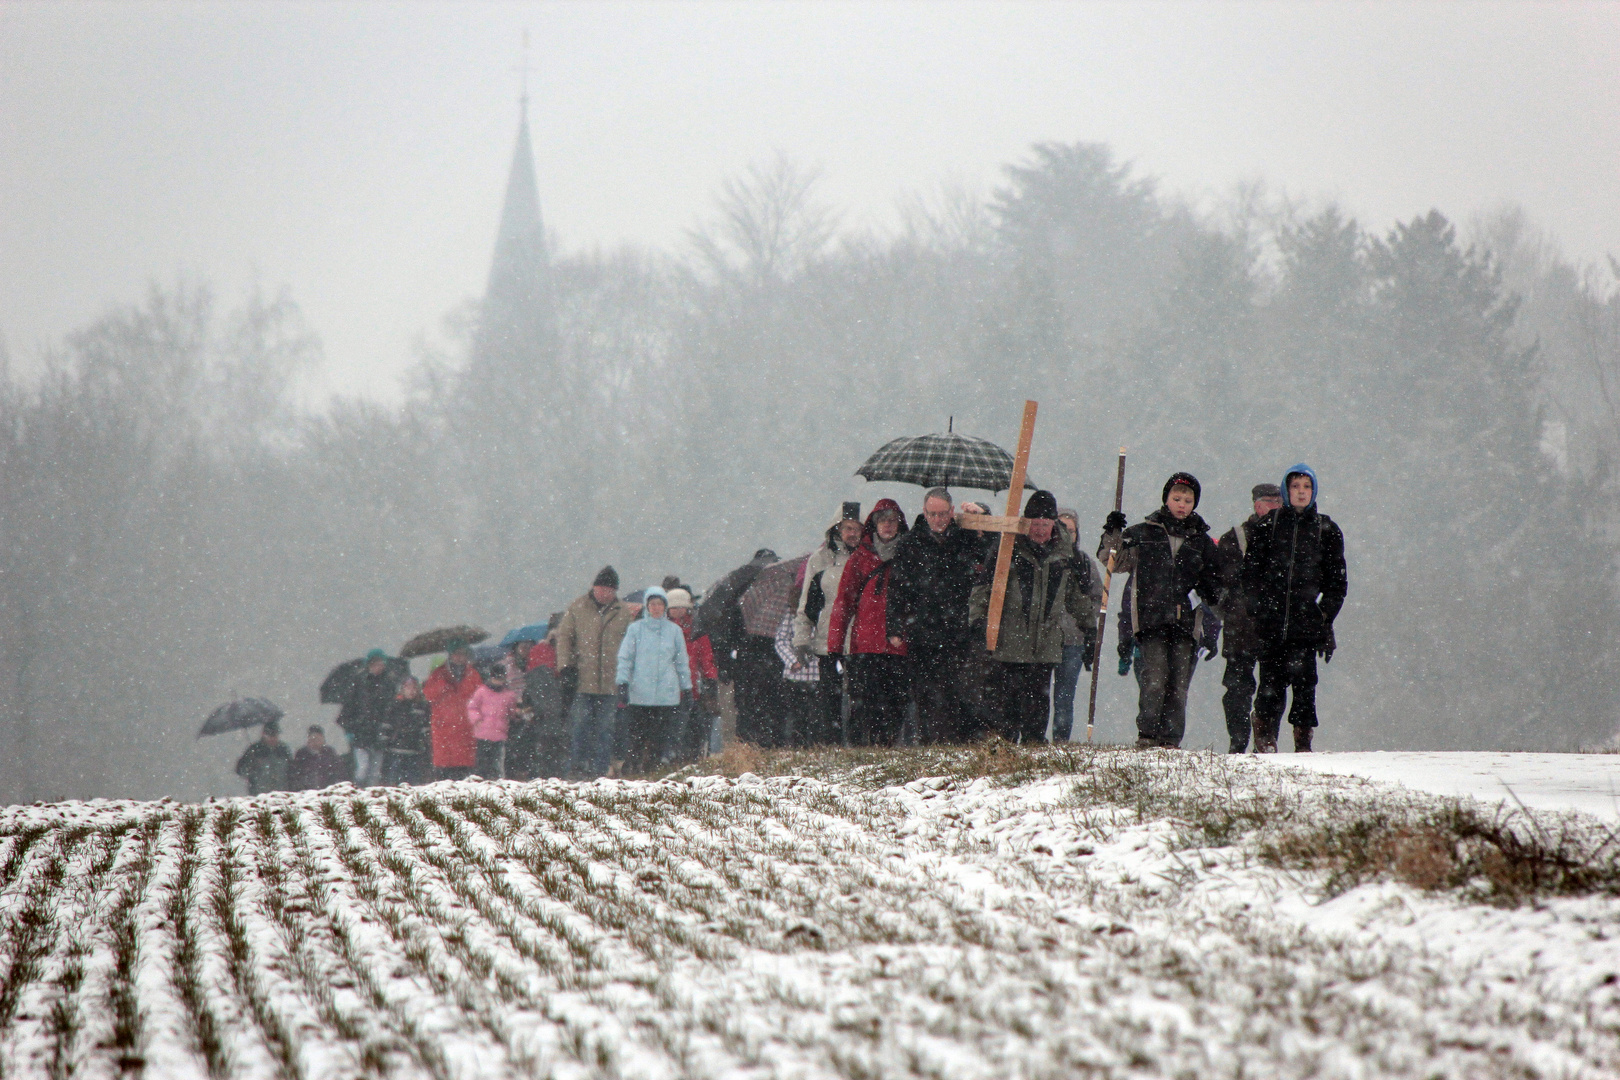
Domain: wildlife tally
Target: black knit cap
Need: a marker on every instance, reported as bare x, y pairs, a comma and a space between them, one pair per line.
1265, 491
606, 576
1185, 479
1042, 504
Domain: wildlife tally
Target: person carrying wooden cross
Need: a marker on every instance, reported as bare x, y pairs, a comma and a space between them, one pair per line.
1043, 582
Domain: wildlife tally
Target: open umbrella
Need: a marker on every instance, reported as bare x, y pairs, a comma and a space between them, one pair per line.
770, 597
943, 461
532, 632
239, 714
435, 641
339, 682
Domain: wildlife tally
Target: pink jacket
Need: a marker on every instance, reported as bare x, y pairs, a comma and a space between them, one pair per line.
488, 710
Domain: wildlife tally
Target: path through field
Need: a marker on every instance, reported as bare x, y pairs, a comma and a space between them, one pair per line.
765, 927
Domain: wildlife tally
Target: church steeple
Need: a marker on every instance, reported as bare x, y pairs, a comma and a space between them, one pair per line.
519, 290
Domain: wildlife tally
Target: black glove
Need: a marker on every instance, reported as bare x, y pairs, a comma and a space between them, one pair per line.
1116, 521
1325, 650
1124, 665
624, 694
568, 678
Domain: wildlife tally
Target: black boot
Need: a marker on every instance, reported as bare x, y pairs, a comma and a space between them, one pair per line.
1302, 738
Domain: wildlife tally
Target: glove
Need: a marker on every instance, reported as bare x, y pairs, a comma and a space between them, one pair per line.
1211, 651
568, 677
624, 694
1116, 521
1325, 650
1124, 665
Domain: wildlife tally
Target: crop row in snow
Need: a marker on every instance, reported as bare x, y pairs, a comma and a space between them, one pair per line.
1075, 918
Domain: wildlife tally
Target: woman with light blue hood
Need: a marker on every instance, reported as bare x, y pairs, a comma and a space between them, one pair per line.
653, 675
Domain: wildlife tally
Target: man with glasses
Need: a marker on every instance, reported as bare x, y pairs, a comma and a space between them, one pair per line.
935, 567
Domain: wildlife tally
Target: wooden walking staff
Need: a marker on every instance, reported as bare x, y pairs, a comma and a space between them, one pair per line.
1009, 527
1102, 616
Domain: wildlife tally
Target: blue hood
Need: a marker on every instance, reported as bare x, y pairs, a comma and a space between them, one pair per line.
662, 595
1316, 485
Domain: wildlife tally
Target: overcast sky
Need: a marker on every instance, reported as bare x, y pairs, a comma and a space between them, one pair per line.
356, 153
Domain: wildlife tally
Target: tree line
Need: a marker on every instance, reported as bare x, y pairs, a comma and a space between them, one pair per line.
177, 529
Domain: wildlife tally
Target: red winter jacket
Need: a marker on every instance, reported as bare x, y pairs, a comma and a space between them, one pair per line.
699, 650
860, 614
452, 730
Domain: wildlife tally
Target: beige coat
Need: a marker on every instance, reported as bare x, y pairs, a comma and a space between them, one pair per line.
828, 561
588, 639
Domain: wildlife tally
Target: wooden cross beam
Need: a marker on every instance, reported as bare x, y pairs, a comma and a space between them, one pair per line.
1009, 526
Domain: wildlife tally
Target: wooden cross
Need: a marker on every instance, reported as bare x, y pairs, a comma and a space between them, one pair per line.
1009, 526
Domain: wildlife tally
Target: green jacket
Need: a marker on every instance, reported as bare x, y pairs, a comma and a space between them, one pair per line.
1042, 584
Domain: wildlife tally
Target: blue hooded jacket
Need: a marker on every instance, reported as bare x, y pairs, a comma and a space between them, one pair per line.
652, 658
1316, 485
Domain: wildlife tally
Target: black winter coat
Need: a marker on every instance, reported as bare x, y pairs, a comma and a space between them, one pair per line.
1294, 577
366, 707
1167, 559
407, 726
1238, 638
930, 581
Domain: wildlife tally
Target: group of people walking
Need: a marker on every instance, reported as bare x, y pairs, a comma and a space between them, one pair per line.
883, 642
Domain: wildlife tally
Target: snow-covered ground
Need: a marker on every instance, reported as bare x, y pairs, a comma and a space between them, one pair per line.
1589, 783
951, 926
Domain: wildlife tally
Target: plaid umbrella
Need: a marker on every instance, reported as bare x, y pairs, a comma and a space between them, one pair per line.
770, 596
942, 461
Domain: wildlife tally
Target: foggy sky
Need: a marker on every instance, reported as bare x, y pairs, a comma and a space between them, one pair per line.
356, 154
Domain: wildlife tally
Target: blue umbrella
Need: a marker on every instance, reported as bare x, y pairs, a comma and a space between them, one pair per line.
532, 632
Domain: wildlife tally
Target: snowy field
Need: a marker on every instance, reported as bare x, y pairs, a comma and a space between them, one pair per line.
987, 914
1589, 783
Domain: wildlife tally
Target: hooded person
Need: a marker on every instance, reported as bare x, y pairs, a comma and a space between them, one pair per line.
587, 643
1168, 555
361, 716
689, 739
859, 631
653, 676
265, 764
936, 566
812, 617
1239, 645
1080, 645
448, 690
1294, 582
1045, 582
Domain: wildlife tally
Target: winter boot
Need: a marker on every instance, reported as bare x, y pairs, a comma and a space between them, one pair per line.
1302, 739
1145, 743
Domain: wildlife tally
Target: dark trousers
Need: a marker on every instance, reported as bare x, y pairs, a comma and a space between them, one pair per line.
404, 767
491, 758
1164, 676
1291, 667
591, 735
824, 724
756, 679
878, 693
452, 772
798, 712
646, 729
939, 686
1065, 681
1022, 699
1238, 701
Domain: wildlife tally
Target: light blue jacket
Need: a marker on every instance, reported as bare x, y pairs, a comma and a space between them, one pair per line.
652, 658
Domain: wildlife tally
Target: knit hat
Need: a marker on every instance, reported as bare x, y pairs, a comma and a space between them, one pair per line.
1183, 479
272, 727
764, 553
680, 598
606, 576
850, 512
1265, 491
1042, 504
316, 729
376, 654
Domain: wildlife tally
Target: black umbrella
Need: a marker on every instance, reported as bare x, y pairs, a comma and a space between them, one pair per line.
339, 682
239, 714
942, 461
